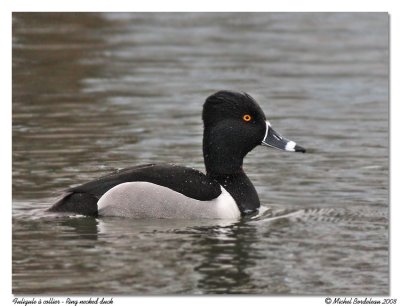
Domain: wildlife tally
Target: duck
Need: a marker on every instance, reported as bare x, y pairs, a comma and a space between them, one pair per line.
234, 124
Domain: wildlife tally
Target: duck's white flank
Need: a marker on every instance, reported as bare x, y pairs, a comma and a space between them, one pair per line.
148, 200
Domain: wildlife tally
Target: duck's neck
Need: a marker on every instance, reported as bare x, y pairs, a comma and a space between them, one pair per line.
220, 156
241, 189
224, 162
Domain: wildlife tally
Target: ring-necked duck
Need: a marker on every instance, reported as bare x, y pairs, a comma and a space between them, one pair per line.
234, 124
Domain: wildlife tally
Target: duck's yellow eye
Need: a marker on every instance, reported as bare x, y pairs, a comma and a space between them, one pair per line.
247, 118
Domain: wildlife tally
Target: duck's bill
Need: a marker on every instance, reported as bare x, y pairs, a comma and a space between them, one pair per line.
274, 140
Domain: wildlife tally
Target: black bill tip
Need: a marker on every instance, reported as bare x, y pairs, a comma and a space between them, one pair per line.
298, 148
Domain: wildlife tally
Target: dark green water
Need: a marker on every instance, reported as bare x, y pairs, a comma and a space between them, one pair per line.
97, 92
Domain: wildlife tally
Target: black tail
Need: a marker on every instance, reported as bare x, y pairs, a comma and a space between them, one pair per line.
76, 202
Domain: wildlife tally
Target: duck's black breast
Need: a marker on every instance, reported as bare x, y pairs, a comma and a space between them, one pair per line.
83, 199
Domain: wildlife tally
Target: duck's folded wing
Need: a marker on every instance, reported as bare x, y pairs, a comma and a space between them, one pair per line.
83, 199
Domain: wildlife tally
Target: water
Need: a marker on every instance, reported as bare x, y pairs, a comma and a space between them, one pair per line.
97, 92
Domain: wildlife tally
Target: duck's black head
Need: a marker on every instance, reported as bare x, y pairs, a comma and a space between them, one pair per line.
234, 124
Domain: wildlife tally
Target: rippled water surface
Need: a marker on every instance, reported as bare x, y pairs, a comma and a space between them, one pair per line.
97, 92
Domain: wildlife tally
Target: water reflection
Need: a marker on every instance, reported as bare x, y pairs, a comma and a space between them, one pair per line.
226, 259
83, 227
